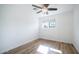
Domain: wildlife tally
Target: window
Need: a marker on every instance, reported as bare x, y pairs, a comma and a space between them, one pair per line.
49, 24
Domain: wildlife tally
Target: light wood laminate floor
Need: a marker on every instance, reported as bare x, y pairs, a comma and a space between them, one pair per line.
43, 46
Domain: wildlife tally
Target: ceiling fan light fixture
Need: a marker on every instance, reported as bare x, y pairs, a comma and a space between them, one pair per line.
44, 10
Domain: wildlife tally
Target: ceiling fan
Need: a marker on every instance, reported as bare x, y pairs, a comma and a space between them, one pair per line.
44, 8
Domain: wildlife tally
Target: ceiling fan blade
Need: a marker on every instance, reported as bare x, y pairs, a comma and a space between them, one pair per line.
37, 6
39, 11
50, 9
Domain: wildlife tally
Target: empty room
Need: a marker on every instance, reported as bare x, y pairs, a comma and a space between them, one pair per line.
39, 28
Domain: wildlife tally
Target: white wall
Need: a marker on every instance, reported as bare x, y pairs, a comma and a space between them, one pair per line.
76, 27
17, 26
64, 28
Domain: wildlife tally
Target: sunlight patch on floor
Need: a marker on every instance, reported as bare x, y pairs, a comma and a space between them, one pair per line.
55, 50
45, 49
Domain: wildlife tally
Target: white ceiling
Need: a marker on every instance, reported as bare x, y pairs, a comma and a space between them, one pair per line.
61, 8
